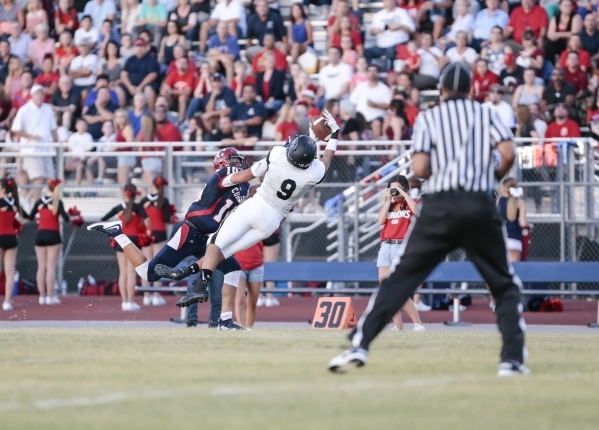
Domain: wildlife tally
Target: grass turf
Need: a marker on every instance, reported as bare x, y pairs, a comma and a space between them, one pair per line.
276, 379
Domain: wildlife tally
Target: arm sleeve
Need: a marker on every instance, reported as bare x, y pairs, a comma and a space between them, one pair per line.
166, 210
62, 212
422, 137
140, 210
33, 212
113, 212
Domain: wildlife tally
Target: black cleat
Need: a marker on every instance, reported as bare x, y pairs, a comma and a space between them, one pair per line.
191, 323
212, 324
228, 325
199, 294
109, 228
170, 273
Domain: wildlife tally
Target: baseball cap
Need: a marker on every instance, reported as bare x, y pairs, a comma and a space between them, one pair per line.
456, 77
140, 42
36, 88
497, 88
308, 93
216, 77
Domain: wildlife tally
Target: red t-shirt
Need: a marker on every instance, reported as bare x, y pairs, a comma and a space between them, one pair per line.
578, 78
354, 21
280, 61
583, 57
569, 129
398, 221
411, 113
63, 53
179, 82
168, 132
65, 18
251, 258
355, 38
536, 19
191, 67
19, 99
482, 84
314, 112
288, 129
248, 80
46, 81
412, 62
265, 90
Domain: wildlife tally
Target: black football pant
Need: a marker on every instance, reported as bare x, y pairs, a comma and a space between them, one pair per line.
448, 221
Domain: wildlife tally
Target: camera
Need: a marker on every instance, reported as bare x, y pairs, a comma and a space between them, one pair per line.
394, 192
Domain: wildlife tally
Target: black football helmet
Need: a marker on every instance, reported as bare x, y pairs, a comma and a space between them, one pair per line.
301, 151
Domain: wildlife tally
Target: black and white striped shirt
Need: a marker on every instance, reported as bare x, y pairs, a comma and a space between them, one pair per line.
460, 136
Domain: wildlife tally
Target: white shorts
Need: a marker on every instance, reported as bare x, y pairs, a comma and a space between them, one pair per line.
151, 164
38, 167
514, 245
248, 224
232, 278
126, 160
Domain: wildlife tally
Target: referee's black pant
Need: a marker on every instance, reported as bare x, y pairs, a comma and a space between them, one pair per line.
448, 221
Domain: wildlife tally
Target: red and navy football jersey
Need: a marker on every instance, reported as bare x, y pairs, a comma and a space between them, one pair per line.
216, 201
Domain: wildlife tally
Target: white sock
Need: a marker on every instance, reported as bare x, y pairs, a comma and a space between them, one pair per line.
122, 240
226, 316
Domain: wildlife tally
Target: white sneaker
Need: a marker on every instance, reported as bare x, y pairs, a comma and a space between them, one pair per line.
125, 306
147, 300
42, 300
158, 300
353, 357
421, 307
6, 306
261, 301
272, 302
52, 300
419, 327
394, 328
511, 368
133, 306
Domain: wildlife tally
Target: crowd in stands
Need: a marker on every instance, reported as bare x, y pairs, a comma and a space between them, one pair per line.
237, 72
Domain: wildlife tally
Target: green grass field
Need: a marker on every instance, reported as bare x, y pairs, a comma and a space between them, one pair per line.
276, 379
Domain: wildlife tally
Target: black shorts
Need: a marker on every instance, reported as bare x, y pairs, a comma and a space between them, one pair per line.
133, 240
159, 236
273, 239
8, 241
129, 96
47, 238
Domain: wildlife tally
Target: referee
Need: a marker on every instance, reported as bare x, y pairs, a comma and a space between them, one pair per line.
453, 150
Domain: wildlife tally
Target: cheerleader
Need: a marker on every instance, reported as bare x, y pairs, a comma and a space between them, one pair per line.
9, 211
158, 209
132, 215
48, 241
513, 211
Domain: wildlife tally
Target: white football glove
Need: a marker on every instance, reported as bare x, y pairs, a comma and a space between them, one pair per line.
330, 121
311, 132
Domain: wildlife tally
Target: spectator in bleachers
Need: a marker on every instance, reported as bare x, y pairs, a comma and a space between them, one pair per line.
527, 16
412, 62
83, 70
494, 51
106, 32
173, 37
250, 112
558, 91
307, 98
140, 108
102, 110
346, 29
65, 102
299, 34
433, 16
462, 22
242, 77
392, 26
19, 42
152, 18
36, 15
79, 143
101, 81
334, 78
129, 14
512, 75
413, 9
108, 137
574, 74
461, 52
64, 53
141, 73
529, 92
166, 131
65, 18
288, 128
264, 21
590, 36
41, 46
303, 82
87, 33
99, 10
111, 66
217, 103
482, 80
334, 21
47, 79
24, 94
9, 13
349, 56
13, 80
372, 100
531, 56
223, 50
405, 83
178, 52
526, 126
5, 57
324, 6
484, 23
540, 124
503, 109
564, 24
269, 46
350, 127
240, 139
229, 11
186, 18
396, 124
361, 73
561, 127
123, 134
224, 130
575, 45
432, 61
127, 49
269, 84
178, 86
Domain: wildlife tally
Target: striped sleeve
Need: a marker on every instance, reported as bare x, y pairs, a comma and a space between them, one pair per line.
499, 131
421, 136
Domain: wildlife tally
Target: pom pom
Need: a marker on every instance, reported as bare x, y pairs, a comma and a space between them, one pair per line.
17, 226
172, 209
76, 218
112, 242
145, 240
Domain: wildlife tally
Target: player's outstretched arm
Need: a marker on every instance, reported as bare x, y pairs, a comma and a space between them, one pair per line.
329, 152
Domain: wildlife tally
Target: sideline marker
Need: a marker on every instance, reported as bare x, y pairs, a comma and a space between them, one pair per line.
336, 313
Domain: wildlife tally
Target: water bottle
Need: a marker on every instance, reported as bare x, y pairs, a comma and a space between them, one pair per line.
63, 287
80, 285
91, 280
15, 288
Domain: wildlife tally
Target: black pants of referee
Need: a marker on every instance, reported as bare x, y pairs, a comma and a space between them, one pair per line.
448, 221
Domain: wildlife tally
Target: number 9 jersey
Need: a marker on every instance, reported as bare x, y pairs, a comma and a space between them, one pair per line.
283, 183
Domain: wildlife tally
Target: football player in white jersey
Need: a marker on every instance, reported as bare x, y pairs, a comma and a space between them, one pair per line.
289, 171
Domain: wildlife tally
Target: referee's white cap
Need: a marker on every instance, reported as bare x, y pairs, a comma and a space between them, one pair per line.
456, 77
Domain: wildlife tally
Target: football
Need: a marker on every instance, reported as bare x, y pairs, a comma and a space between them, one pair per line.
321, 130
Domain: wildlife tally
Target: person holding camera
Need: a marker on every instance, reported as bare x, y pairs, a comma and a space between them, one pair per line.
395, 216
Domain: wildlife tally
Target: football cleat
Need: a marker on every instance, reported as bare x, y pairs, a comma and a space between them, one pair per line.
109, 228
512, 368
212, 324
228, 325
199, 294
170, 273
350, 358
191, 323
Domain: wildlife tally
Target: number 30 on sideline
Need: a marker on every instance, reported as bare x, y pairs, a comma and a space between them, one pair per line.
334, 313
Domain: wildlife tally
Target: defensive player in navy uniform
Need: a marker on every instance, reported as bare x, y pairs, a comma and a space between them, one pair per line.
217, 199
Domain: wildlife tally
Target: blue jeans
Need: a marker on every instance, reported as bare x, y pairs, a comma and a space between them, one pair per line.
194, 106
215, 288
376, 52
275, 105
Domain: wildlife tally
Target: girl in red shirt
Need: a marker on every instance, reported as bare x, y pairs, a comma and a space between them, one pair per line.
158, 209
132, 215
395, 217
251, 278
9, 211
48, 209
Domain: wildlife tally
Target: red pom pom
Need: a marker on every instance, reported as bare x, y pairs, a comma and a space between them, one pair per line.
77, 221
73, 211
112, 242
144, 240
17, 226
174, 219
172, 209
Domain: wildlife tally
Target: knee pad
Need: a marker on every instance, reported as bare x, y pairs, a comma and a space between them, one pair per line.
229, 265
142, 271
